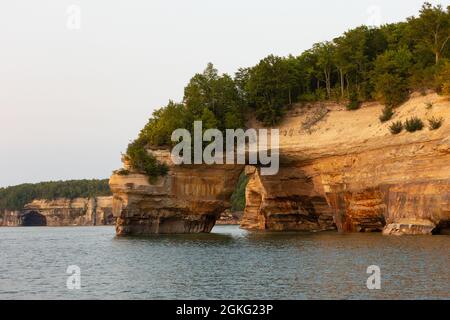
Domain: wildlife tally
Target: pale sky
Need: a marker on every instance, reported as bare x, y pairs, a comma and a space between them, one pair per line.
71, 99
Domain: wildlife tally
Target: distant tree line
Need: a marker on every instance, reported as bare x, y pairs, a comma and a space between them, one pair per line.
366, 63
15, 197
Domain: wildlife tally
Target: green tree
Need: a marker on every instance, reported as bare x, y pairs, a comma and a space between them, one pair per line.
309, 75
353, 45
341, 58
216, 93
294, 78
158, 130
443, 79
209, 120
431, 29
140, 159
325, 62
269, 88
200, 92
390, 76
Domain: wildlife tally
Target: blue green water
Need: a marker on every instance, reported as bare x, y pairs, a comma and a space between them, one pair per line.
228, 264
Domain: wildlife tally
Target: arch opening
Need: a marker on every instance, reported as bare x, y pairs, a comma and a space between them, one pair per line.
443, 228
234, 211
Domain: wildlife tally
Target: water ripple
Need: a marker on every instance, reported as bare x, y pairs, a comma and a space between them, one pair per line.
228, 264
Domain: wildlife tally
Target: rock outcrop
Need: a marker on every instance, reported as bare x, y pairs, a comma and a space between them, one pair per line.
62, 212
229, 217
339, 170
289, 201
350, 167
411, 226
189, 199
9, 218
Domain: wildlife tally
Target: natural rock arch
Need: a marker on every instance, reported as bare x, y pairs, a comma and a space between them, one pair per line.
346, 174
189, 199
288, 201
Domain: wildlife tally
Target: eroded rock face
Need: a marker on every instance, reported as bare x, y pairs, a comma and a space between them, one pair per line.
9, 218
75, 212
349, 167
229, 217
188, 199
289, 201
64, 212
411, 226
339, 170
423, 206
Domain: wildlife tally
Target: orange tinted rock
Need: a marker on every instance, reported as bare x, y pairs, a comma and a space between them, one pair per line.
349, 163
339, 169
188, 199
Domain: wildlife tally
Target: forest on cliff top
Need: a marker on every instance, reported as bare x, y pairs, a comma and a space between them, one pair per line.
383, 63
15, 197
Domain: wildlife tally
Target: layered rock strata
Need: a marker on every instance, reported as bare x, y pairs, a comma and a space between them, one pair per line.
62, 212
229, 217
339, 170
289, 201
189, 199
350, 167
9, 218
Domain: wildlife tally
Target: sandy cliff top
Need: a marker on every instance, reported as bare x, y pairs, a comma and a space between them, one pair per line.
325, 129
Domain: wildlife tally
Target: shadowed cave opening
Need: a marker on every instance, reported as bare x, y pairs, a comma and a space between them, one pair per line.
33, 219
443, 228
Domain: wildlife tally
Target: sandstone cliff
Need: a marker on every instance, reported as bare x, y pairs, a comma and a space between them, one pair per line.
349, 166
188, 199
9, 218
339, 170
62, 212
229, 217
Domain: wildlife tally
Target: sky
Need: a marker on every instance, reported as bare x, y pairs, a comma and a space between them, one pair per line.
79, 79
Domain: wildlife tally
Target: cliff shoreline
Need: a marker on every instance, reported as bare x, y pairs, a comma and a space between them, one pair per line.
61, 212
346, 171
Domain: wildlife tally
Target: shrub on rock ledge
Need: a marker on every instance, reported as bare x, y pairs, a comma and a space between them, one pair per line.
141, 160
435, 123
414, 124
354, 103
387, 114
396, 127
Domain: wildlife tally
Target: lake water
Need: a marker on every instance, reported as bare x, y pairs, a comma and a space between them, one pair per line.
228, 264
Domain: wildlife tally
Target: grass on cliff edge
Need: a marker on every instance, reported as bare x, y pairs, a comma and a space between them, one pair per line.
142, 161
